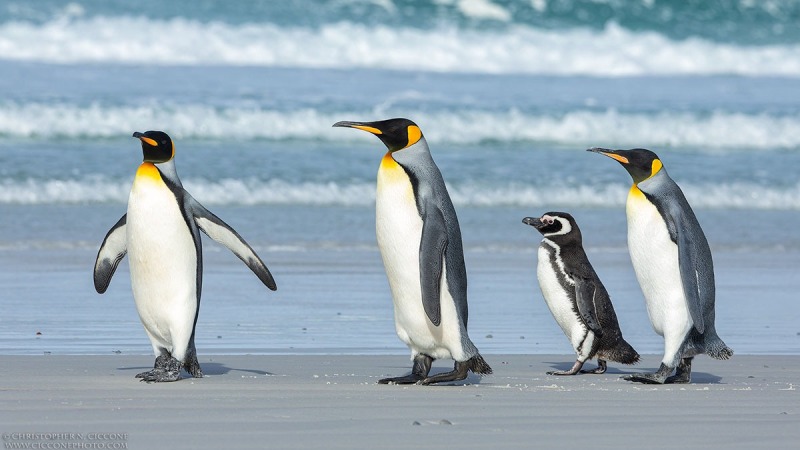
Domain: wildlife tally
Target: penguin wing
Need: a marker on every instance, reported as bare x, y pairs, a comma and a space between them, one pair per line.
218, 230
687, 235
431, 262
696, 295
112, 250
585, 292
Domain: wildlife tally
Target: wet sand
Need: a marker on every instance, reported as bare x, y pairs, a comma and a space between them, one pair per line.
333, 402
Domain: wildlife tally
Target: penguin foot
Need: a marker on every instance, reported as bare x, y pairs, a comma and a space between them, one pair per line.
408, 379
166, 369
659, 377
422, 365
683, 374
600, 369
575, 369
460, 372
193, 366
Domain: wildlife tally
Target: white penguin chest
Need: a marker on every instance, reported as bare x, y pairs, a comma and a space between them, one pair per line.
556, 295
398, 228
162, 255
655, 260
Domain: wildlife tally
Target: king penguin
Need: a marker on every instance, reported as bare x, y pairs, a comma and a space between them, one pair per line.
673, 264
420, 243
576, 297
160, 234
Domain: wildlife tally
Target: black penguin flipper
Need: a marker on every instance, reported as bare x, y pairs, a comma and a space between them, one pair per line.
684, 229
112, 250
431, 262
692, 280
218, 230
585, 292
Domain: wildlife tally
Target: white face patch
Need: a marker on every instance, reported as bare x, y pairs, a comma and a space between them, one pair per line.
565, 226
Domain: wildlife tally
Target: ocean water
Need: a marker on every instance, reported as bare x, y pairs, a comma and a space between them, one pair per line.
509, 94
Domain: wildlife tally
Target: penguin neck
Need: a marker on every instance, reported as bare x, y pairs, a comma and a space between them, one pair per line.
169, 172
635, 191
390, 170
148, 171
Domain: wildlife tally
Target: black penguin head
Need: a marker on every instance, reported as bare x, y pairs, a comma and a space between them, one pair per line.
556, 226
640, 163
396, 134
157, 147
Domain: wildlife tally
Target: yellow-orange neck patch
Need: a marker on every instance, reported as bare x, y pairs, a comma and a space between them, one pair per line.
635, 191
148, 171
388, 163
656, 167
390, 170
414, 134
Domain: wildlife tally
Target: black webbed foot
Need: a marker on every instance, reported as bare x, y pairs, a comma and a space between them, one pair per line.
166, 369
683, 374
192, 365
460, 372
659, 377
422, 365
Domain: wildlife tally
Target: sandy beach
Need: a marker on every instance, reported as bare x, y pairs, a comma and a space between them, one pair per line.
333, 402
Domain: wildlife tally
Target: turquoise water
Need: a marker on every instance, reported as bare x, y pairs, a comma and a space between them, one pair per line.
509, 94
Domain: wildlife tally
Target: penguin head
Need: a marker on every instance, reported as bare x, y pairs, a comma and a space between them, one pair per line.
640, 163
556, 226
157, 147
396, 134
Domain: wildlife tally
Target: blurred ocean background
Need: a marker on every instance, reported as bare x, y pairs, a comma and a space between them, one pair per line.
509, 94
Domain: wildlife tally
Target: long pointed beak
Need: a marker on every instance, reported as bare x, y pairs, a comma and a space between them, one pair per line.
359, 125
610, 153
144, 138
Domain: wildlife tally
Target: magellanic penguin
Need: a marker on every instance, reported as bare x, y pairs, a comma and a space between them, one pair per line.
420, 242
160, 235
672, 261
576, 297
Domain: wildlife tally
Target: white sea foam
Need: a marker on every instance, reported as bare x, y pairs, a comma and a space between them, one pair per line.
614, 51
716, 130
475, 194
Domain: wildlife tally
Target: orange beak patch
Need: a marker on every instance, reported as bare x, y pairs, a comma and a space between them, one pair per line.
619, 158
368, 129
149, 141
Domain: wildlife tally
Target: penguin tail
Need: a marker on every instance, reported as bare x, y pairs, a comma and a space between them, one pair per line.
478, 365
622, 352
717, 349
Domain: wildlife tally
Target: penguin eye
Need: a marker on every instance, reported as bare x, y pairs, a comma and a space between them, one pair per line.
548, 220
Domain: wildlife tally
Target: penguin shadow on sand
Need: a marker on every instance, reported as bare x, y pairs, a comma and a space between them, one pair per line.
209, 368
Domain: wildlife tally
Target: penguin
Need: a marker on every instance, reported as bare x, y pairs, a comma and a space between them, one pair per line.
576, 297
161, 235
420, 243
673, 264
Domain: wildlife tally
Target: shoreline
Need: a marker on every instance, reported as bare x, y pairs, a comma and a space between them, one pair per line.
334, 401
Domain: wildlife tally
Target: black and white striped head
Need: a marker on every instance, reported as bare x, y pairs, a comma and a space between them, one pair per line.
556, 226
